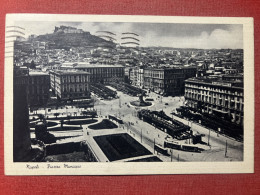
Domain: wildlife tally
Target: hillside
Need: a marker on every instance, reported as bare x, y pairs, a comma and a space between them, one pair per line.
68, 40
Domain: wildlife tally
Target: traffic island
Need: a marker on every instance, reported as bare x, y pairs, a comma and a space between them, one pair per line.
104, 124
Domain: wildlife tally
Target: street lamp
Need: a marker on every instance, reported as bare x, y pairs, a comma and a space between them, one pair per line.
47, 101
154, 145
226, 150
209, 137
141, 135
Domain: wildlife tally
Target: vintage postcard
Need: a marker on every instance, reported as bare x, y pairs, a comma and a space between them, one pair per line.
125, 95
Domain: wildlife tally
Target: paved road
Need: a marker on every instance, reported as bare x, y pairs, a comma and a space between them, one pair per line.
120, 108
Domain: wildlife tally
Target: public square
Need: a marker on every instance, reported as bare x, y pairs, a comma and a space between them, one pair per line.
216, 147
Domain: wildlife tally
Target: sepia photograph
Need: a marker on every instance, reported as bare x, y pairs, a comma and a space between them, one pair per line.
150, 94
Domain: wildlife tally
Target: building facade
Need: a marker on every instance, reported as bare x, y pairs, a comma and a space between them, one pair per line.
99, 73
167, 81
21, 130
216, 96
137, 77
103, 73
38, 88
140, 78
70, 85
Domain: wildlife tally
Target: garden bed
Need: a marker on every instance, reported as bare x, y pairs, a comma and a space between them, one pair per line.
104, 124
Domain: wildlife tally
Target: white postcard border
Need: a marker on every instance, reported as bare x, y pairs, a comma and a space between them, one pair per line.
134, 168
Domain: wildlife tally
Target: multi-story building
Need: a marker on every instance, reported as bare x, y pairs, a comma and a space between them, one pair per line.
216, 96
21, 131
70, 85
38, 88
133, 76
127, 71
100, 73
167, 81
140, 78
137, 77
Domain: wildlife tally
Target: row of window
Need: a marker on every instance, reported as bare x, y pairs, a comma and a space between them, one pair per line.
39, 80
220, 102
38, 90
212, 94
69, 95
106, 75
214, 89
75, 78
103, 70
74, 88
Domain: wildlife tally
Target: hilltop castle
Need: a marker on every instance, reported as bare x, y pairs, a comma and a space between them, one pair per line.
67, 29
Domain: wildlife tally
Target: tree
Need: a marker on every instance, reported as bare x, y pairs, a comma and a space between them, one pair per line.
56, 114
32, 65
84, 113
41, 117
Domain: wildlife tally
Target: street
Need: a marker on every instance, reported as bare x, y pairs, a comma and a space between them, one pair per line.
148, 135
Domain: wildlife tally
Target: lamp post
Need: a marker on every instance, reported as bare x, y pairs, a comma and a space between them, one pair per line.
154, 145
209, 137
49, 95
226, 150
141, 135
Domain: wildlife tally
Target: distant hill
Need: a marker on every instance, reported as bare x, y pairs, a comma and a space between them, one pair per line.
67, 40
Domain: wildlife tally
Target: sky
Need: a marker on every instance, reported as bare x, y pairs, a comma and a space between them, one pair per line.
176, 35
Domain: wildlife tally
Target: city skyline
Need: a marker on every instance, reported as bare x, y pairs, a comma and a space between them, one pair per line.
175, 35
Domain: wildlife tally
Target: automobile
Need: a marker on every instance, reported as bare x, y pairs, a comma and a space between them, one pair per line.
166, 103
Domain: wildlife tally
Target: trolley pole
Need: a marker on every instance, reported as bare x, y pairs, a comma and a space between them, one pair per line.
226, 149
154, 145
209, 137
141, 135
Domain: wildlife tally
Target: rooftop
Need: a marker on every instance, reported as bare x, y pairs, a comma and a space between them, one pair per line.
66, 72
217, 81
37, 73
171, 67
87, 65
